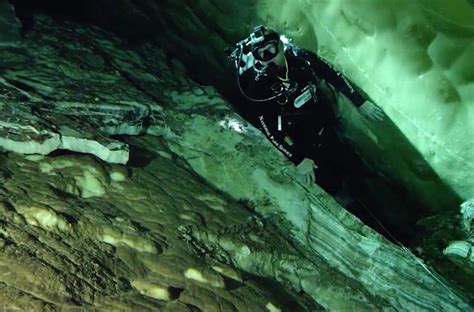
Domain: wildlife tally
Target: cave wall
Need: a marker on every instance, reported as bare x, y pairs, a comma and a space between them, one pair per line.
411, 58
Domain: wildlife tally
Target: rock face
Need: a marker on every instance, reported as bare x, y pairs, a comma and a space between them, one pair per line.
206, 216
110, 240
25, 133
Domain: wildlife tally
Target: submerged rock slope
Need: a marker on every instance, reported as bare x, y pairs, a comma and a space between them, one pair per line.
206, 216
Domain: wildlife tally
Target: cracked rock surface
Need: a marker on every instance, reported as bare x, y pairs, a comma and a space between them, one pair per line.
206, 216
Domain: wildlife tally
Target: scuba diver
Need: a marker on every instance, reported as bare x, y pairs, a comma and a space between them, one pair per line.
288, 93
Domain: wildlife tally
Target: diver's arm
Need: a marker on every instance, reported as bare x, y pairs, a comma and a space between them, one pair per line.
326, 71
323, 69
269, 128
304, 166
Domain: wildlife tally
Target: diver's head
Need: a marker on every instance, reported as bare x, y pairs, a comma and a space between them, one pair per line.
267, 48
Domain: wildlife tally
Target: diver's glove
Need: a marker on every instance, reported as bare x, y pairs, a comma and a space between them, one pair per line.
305, 171
371, 111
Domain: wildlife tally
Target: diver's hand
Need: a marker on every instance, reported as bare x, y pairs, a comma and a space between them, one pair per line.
371, 111
305, 171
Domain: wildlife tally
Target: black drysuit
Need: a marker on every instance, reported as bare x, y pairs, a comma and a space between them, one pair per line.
299, 121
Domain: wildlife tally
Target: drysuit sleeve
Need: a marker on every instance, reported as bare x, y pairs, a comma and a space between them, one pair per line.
326, 71
268, 125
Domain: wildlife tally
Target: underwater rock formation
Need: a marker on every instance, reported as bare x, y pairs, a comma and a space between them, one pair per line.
61, 111
206, 216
